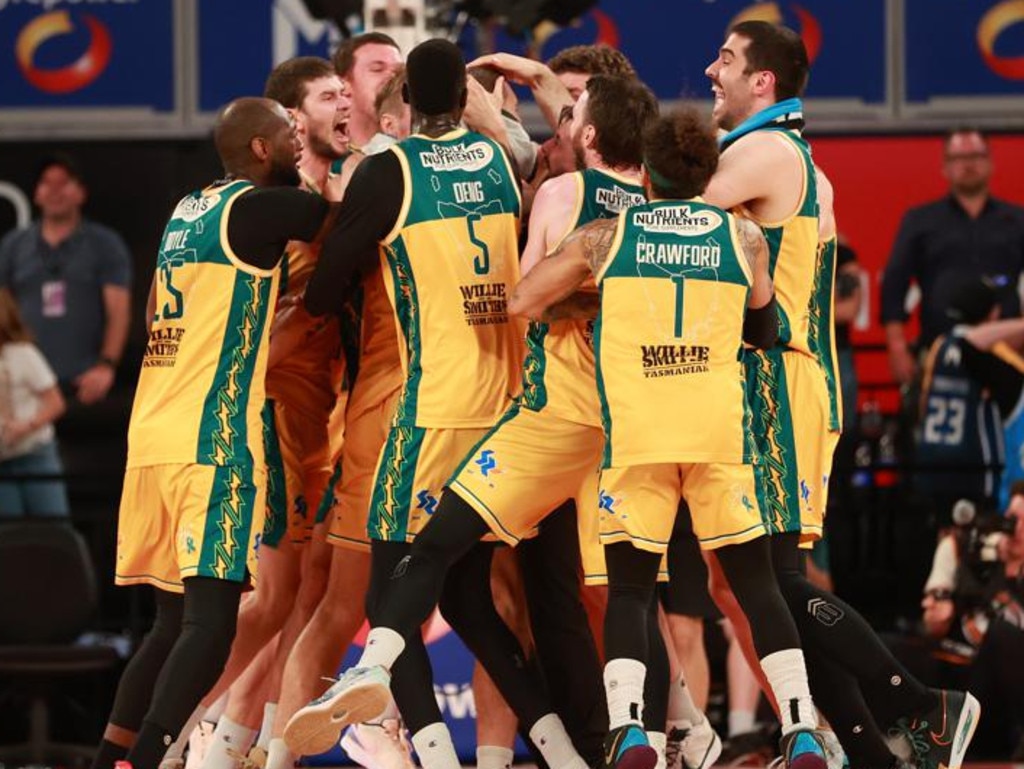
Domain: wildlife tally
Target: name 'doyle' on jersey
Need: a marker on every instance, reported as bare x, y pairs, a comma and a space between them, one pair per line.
458, 157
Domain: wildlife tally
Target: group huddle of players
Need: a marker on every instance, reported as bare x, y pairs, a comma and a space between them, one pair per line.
354, 342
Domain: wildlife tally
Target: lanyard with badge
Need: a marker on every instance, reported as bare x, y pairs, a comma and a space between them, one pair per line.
54, 289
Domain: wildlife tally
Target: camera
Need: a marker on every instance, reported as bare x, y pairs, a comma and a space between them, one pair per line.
980, 577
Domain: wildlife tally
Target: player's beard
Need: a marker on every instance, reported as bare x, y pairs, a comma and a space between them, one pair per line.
321, 147
284, 173
578, 153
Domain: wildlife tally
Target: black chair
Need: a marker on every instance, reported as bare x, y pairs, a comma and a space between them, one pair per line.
47, 599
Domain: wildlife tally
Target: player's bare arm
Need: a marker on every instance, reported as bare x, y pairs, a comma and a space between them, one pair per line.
548, 91
761, 173
755, 248
553, 207
826, 214
557, 277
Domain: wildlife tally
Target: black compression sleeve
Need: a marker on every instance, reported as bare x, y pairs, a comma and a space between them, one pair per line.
1002, 378
761, 325
263, 220
372, 205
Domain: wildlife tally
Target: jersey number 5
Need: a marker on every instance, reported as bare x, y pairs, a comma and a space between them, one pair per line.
482, 261
174, 308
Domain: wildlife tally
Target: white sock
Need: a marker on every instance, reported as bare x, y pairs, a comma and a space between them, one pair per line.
230, 743
278, 755
177, 749
434, 746
680, 704
741, 722
383, 647
553, 742
658, 741
624, 687
267, 729
493, 757
787, 676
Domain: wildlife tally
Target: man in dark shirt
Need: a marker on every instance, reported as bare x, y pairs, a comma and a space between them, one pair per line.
965, 234
72, 280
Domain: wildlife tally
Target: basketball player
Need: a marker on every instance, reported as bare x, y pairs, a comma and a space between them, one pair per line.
766, 170
683, 285
192, 504
443, 192
302, 389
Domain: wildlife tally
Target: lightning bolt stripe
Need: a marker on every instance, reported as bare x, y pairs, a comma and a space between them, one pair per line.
407, 309
392, 496
535, 392
229, 516
276, 522
606, 414
772, 424
821, 338
224, 427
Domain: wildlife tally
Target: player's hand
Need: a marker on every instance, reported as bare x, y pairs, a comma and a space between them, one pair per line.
902, 365
93, 385
518, 69
483, 109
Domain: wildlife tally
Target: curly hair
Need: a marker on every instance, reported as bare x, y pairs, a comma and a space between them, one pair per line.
598, 59
680, 153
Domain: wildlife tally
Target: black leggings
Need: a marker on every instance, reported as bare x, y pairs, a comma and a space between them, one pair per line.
448, 566
834, 630
190, 667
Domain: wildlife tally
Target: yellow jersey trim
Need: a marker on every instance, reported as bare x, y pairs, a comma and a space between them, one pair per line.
455, 133
236, 260
403, 213
803, 184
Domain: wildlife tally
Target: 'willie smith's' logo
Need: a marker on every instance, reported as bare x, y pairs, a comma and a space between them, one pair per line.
673, 359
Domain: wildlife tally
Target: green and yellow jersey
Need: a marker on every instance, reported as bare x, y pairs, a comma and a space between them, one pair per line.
559, 372
201, 389
669, 336
450, 264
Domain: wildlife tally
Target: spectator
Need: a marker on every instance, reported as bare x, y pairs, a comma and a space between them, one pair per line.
970, 400
29, 403
71, 278
967, 233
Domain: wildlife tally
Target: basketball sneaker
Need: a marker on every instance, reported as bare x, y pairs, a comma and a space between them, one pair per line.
198, 744
804, 749
361, 694
378, 745
939, 739
691, 746
627, 747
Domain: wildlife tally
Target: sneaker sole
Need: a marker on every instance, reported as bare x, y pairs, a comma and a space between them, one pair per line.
965, 726
316, 728
637, 757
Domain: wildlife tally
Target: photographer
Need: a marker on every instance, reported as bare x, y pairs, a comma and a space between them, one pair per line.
972, 609
971, 403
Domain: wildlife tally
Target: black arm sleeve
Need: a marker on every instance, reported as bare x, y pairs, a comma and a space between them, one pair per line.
262, 221
761, 325
372, 205
1004, 379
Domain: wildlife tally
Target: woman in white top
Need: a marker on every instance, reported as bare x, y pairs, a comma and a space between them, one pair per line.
30, 401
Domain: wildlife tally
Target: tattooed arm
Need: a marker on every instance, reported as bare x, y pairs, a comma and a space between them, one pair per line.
761, 324
548, 292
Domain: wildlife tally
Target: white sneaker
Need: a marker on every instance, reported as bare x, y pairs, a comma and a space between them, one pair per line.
172, 763
378, 745
693, 746
361, 694
834, 753
198, 744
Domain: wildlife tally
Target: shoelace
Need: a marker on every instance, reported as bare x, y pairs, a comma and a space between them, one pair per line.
674, 747
917, 736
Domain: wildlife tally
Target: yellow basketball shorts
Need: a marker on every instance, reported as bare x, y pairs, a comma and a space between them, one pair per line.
791, 410
351, 488
180, 521
525, 467
415, 466
299, 469
639, 504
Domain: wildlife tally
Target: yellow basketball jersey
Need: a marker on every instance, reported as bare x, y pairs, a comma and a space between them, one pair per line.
669, 335
308, 379
201, 388
559, 373
450, 264
793, 256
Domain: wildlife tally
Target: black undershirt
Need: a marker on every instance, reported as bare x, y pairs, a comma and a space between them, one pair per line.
370, 210
1005, 382
263, 220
